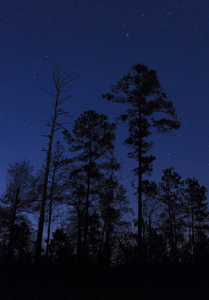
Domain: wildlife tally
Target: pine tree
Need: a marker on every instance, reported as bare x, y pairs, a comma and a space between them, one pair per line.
92, 141
196, 212
151, 212
171, 196
113, 205
19, 195
149, 109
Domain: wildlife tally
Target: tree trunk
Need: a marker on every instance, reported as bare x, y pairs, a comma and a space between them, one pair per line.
150, 238
193, 231
87, 204
50, 214
107, 247
139, 242
102, 239
44, 192
79, 238
171, 231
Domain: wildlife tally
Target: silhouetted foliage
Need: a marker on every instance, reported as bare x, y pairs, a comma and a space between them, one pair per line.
92, 140
196, 215
154, 243
60, 249
96, 248
18, 199
149, 109
55, 192
113, 205
171, 196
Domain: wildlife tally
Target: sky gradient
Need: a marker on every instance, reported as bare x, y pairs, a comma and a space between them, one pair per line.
101, 40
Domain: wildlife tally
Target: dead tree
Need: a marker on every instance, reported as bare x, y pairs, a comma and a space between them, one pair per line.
61, 82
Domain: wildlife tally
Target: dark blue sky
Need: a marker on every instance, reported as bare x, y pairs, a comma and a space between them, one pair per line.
103, 39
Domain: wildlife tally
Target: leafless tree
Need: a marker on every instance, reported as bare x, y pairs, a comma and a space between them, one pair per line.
61, 82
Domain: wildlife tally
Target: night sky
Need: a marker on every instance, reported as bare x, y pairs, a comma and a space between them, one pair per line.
101, 40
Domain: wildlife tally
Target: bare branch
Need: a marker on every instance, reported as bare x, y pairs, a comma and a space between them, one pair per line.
64, 99
61, 125
48, 124
45, 135
51, 94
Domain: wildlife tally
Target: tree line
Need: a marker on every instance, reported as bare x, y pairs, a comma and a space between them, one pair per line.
75, 207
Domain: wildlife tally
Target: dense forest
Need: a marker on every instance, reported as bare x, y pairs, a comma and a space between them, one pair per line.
67, 230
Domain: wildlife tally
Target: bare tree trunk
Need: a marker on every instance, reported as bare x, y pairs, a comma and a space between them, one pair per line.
139, 213
61, 83
102, 238
44, 193
87, 205
150, 238
172, 245
140, 192
79, 238
50, 214
193, 246
108, 249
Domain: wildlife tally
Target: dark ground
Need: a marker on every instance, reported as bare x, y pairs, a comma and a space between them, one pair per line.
68, 282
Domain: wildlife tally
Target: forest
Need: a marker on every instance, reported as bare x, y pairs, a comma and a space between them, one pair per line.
67, 230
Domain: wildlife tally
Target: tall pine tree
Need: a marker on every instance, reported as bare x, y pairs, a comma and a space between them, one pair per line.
148, 109
92, 141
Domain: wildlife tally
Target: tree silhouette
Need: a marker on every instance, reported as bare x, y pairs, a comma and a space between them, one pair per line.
56, 195
171, 195
92, 140
141, 90
113, 205
196, 211
60, 246
61, 82
19, 195
75, 195
151, 211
